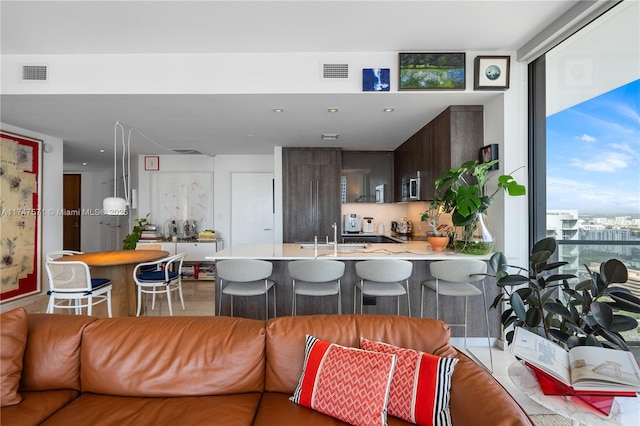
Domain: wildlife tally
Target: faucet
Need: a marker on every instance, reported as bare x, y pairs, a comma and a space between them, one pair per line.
335, 236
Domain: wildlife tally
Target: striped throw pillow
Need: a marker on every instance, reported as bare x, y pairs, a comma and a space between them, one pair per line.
420, 386
348, 384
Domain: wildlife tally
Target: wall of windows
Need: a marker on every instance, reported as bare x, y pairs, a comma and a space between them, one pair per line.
586, 144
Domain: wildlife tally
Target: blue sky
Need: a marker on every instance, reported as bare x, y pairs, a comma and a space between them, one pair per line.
593, 154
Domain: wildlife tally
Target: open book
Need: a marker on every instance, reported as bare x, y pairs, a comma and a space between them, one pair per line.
584, 369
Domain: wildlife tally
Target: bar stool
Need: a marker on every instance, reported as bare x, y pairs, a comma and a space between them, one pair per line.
318, 277
455, 278
246, 277
383, 278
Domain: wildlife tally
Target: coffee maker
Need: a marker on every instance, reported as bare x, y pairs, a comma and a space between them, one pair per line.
352, 223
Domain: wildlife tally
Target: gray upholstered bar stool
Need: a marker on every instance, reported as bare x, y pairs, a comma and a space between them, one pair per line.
383, 278
246, 277
316, 277
455, 278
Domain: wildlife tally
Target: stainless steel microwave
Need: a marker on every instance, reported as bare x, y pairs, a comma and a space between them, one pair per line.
411, 188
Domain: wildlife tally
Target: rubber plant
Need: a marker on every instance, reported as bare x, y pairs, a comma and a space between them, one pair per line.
590, 312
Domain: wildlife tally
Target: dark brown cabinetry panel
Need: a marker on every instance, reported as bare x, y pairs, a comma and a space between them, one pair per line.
450, 139
311, 192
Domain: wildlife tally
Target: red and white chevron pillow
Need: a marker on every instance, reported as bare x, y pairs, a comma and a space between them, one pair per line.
420, 386
349, 384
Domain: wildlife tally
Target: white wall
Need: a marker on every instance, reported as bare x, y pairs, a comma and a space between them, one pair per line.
51, 192
168, 163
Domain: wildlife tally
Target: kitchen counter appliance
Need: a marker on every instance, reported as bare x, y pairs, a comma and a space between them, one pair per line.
367, 225
352, 223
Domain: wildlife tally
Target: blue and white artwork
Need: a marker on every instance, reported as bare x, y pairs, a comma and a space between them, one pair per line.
375, 79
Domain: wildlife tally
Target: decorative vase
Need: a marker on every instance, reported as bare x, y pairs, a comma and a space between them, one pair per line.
438, 243
475, 238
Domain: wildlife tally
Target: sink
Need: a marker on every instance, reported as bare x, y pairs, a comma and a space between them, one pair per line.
324, 246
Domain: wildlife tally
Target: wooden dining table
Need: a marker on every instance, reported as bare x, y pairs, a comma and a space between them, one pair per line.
118, 267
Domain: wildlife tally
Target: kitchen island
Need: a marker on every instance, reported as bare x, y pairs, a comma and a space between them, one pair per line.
418, 252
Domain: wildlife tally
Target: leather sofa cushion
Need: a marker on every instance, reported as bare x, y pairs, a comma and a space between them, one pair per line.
93, 409
37, 406
52, 354
173, 356
13, 338
286, 337
276, 409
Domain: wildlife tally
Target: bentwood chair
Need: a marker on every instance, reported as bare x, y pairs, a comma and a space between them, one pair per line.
159, 277
383, 278
71, 281
317, 277
57, 254
246, 277
455, 278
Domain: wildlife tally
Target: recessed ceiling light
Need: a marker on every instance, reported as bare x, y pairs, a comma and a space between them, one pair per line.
332, 109
84, 164
278, 110
101, 150
329, 136
389, 109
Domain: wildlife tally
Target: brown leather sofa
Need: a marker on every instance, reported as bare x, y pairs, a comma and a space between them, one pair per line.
215, 370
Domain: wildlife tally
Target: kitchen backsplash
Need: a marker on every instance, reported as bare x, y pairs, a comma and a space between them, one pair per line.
385, 213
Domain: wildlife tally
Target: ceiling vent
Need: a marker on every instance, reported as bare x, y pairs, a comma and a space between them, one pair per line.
187, 151
34, 73
338, 71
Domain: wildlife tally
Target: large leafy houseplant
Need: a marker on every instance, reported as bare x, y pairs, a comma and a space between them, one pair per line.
464, 195
544, 302
131, 241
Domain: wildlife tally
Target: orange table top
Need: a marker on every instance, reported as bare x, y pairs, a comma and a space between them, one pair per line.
119, 257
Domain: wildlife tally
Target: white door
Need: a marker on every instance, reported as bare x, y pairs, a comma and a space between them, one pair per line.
252, 208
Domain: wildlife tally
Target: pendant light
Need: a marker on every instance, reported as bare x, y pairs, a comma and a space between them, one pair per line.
118, 206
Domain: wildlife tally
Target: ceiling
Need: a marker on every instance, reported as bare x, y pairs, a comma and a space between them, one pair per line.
245, 123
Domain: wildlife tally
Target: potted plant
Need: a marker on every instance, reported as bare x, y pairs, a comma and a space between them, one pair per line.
131, 240
463, 193
589, 313
438, 237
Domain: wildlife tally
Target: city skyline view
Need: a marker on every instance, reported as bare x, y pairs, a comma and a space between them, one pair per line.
593, 155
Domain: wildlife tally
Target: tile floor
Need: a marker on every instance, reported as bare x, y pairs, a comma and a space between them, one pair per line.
199, 300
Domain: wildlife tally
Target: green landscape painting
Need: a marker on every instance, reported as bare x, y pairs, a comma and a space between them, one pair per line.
432, 71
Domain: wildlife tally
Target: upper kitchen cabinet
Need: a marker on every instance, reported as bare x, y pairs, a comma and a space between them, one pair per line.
311, 192
367, 177
453, 137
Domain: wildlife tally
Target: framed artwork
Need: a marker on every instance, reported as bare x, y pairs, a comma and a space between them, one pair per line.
491, 73
375, 80
20, 221
432, 71
151, 163
489, 153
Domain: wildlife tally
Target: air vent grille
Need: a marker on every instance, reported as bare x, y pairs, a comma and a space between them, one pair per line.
34, 72
187, 151
335, 71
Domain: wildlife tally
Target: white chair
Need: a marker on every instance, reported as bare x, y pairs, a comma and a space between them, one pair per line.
455, 278
53, 255
71, 281
317, 277
383, 278
246, 277
159, 277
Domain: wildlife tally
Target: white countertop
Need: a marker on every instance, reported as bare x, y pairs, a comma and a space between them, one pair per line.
411, 250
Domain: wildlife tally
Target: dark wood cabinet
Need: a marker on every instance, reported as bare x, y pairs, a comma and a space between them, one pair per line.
365, 171
311, 193
453, 137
